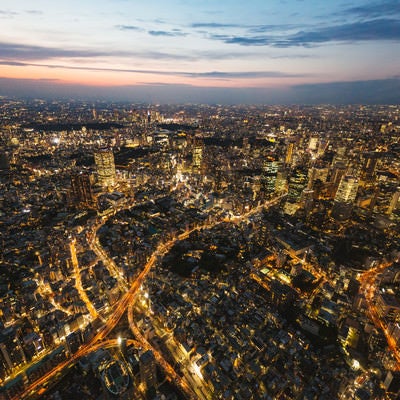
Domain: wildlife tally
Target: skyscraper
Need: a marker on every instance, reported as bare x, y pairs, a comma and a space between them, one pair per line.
269, 175
347, 190
370, 163
289, 153
81, 188
197, 154
104, 160
148, 371
344, 198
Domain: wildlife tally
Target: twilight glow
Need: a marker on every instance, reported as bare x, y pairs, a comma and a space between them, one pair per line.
281, 47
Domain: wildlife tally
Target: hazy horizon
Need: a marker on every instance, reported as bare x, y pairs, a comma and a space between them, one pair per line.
346, 93
289, 52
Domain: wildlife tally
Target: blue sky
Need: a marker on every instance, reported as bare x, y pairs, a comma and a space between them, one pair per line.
234, 46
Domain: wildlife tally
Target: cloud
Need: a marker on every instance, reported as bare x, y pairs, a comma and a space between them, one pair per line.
373, 10
19, 53
34, 12
14, 63
214, 25
375, 30
380, 29
128, 28
275, 27
165, 84
173, 33
7, 13
244, 74
15, 51
186, 74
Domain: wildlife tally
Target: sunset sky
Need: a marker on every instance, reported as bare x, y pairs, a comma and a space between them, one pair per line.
182, 48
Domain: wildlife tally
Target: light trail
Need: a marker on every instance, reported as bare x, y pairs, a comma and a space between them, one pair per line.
128, 298
368, 287
78, 281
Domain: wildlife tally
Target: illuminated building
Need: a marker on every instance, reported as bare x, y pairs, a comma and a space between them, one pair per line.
395, 202
104, 160
269, 175
313, 144
370, 163
281, 181
11, 351
316, 174
347, 190
81, 187
394, 329
392, 384
197, 154
289, 153
388, 306
297, 183
307, 199
148, 370
115, 377
344, 198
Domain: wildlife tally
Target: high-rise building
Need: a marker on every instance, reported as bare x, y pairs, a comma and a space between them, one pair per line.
392, 384
370, 163
347, 190
289, 153
197, 154
297, 183
269, 174
148, 370
104, 160
313, 144
344, 198
314, 174
307, 199
395, 202
11, 351
281, 182
81, 188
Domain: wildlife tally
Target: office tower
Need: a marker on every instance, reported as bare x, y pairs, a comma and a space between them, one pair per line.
392, 384
386, 197
368, 169
322, 146
289, 153
11, 351
197, 156
281, 182
148, 370
269, 174
307, 200
104, 160
81, 188
315, 174
344, 198
347, 190
395, 202
313, 144
297, 183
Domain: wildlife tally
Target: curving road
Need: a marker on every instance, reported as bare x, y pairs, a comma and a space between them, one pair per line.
369, 288
128, 300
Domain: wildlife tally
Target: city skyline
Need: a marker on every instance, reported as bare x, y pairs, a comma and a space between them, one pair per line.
229, 52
